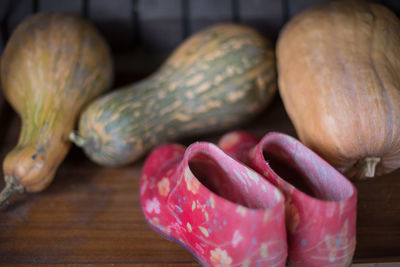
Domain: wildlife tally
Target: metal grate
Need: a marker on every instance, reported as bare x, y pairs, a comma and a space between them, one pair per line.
158, 26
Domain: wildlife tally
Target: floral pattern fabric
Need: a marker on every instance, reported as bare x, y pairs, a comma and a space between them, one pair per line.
320, 226
235, 218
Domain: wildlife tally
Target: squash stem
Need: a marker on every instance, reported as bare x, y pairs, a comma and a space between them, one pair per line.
12, 187
77, 139
368, 166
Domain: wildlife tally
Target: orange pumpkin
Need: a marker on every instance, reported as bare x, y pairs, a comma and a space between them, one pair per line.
339, 66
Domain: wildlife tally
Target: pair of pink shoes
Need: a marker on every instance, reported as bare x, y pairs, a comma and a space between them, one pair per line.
289, 206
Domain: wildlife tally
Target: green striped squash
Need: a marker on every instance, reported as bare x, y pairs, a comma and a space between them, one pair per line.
216, 79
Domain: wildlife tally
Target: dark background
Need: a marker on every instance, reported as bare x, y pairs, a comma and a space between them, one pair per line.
143, 32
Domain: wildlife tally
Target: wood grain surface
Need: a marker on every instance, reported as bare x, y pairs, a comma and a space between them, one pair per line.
92, 214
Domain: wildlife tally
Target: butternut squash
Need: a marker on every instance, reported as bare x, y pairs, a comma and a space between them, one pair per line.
218, 78
52, 66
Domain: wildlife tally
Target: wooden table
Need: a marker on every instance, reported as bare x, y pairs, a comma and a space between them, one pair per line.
92, 215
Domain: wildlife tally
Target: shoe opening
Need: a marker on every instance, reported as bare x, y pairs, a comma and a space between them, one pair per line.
309, 174
233, 182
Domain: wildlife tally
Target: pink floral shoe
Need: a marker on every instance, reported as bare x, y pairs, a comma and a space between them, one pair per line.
224, 213
320, 202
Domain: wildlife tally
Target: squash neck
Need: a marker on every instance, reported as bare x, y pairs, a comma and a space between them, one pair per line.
39, 134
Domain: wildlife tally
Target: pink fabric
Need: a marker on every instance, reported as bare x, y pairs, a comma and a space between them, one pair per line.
223, 212
321, 220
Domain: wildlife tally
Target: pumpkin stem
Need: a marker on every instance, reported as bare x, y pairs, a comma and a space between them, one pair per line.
368, 166
12, 186
77, 139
